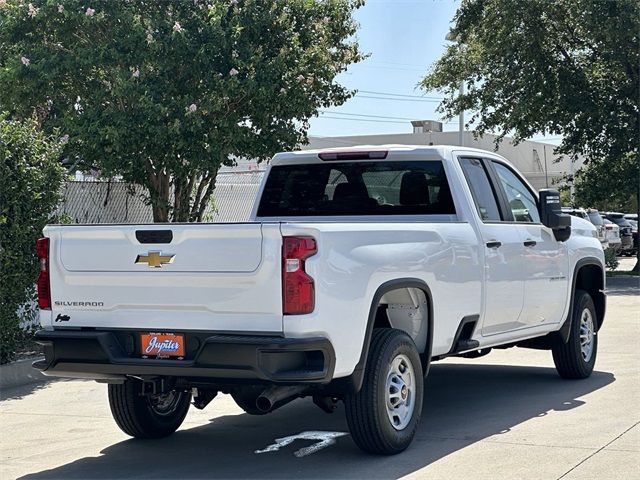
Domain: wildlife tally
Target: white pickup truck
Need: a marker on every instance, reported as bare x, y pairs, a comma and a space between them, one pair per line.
359, 267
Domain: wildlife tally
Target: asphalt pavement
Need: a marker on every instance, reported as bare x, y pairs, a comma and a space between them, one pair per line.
507, 415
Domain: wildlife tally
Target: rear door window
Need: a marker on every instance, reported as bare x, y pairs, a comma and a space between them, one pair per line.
357, 188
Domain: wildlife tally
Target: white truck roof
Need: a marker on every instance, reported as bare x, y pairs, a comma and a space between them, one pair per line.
395, 151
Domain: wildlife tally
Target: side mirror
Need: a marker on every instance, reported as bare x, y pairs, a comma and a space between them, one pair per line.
551, 214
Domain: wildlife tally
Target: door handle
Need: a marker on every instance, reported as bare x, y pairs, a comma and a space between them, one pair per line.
530, 243
494, 244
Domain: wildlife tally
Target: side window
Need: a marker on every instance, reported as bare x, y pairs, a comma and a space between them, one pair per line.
521, 201
481, 189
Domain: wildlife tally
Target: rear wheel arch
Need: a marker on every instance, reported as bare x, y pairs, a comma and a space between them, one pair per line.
376, 320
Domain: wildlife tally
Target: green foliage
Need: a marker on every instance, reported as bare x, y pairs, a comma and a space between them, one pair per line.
30, 182
611, 261
163, 93
609, 186
568, 67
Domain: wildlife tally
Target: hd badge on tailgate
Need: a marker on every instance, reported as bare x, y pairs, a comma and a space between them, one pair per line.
162, 345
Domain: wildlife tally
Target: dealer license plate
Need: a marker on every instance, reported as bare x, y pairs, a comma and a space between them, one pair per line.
162, 345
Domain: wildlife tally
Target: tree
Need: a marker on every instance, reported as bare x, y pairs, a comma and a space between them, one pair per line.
163, 93
30, 183
568, 67
609, 185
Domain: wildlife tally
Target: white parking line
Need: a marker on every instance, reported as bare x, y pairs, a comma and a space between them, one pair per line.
325, 439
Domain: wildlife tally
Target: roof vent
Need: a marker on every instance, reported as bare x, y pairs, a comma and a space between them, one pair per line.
426, 126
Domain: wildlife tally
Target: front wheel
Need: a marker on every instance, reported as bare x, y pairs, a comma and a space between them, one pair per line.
147, 416
384, 415
576, 358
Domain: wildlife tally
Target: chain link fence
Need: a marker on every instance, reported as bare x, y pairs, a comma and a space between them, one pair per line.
112, 201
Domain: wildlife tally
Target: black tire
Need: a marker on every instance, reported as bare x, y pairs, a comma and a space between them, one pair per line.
568, 357
369, 424
146, 416
245, 397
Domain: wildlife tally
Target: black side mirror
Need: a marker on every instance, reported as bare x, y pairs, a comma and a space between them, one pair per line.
551, 214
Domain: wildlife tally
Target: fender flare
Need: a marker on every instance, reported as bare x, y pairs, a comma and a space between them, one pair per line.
357, 377
565, 330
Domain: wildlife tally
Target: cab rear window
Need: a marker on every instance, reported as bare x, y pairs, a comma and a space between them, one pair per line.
357, 188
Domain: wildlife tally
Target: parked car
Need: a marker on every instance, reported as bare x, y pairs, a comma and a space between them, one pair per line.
626, 232
613, 235
576, 212
633, 220
360, 266
592, 217
597, 220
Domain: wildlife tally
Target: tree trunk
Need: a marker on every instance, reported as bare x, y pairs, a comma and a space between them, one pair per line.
203, 195
160, 214
160, 189
183, 190
190, 202
637, 267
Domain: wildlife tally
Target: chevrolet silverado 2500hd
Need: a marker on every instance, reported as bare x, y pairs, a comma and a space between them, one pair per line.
359, 267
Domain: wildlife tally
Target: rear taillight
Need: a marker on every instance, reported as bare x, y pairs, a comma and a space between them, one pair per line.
298, 293
44, 288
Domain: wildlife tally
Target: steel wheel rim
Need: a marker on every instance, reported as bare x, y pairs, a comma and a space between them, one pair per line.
400, 392
587, 334
164, 404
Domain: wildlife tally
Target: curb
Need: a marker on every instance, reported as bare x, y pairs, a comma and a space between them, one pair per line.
16, 374
623, 282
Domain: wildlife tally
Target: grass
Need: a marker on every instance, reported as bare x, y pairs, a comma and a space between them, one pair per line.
628, 273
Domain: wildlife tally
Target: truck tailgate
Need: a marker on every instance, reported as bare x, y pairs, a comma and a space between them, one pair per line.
213, 277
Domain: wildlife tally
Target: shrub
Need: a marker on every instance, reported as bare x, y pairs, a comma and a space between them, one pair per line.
30, 185
611, 259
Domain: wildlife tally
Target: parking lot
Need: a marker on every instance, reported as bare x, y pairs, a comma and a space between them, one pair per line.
506, 415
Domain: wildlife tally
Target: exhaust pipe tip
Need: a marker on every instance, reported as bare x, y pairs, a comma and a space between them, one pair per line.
264, 404
276, 396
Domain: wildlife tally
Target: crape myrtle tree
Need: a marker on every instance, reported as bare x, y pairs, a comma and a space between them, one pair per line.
163, 93
563, 67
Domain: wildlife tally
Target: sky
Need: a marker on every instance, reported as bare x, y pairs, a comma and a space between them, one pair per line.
402, 38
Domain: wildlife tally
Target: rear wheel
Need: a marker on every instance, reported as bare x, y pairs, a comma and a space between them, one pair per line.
384, 415
576, 358
147, 416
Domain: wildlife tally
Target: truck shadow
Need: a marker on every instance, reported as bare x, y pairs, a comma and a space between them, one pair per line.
464, 404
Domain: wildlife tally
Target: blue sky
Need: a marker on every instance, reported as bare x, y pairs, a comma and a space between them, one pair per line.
403, 38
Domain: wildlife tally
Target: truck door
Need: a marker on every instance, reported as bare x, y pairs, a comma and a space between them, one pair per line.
503, 253
545, 261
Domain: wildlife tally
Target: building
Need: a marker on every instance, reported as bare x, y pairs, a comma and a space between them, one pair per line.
535, 160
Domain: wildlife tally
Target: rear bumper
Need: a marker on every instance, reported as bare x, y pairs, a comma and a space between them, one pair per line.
110, 355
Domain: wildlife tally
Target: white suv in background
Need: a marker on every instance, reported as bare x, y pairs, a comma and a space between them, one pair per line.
613, 235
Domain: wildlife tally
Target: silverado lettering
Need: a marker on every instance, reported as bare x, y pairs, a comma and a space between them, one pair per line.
58, 303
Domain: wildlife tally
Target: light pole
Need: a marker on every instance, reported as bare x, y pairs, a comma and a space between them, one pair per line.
453, 38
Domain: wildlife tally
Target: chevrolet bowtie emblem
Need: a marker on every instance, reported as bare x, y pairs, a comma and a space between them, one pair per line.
155, 259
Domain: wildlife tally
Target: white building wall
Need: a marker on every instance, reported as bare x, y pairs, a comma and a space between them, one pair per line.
528, 156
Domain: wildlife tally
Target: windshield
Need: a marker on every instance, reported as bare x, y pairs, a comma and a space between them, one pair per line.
620, 221
595, 218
